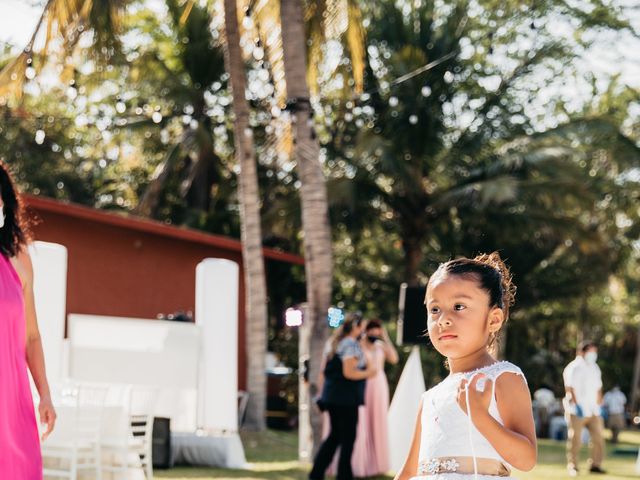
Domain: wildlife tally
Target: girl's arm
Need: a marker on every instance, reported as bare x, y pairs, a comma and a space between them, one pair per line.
516, 440
35, 355
410, 467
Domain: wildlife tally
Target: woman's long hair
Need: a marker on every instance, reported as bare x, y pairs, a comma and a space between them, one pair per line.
14, 233
353, 320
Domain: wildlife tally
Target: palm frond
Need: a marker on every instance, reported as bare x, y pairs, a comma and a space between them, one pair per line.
148, 204
186, 11
266, 14
65, 21
12, 79
356, 41
267, 30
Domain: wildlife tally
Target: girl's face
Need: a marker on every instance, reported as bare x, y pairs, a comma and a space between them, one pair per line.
459, 317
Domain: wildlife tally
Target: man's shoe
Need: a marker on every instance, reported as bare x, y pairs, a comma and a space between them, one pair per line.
573, 471
597, 470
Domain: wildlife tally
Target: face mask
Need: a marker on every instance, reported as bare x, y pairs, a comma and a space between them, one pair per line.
373, 338
591, 357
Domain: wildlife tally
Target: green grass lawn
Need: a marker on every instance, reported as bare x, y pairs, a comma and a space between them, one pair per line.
272, 456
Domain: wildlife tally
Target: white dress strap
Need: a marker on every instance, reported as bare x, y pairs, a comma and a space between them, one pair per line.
494, 371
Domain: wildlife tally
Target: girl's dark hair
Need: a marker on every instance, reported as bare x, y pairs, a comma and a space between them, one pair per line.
14, 234
493, 275
352, 320
373, 323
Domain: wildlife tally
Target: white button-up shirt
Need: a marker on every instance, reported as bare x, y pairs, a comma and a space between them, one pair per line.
615, 401
586, 380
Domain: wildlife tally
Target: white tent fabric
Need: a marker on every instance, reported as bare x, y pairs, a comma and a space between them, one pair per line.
217, 283
157, 353
50, 288
194, 365
217, 287
404, 409
223, 450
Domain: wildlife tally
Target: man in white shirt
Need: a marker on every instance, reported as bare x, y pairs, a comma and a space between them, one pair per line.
544, 401
583, 401
615, 401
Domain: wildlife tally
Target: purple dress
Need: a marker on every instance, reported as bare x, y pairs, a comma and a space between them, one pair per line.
20, 457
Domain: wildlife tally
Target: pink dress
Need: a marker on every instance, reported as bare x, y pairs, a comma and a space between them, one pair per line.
20, 457
371, 451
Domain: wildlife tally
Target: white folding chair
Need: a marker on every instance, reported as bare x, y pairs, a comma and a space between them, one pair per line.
134, 449
70, 456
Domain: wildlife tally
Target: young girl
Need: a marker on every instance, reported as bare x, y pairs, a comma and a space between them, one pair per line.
477, 423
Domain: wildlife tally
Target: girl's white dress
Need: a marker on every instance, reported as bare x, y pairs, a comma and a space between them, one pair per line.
448, 432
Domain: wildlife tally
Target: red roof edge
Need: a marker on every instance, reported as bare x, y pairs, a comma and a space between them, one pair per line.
149, 226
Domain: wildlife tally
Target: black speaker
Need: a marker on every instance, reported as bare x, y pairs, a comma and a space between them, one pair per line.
161, 446
278, 412
412, 317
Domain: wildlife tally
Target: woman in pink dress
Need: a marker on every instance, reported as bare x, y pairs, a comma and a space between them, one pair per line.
371, 450
20, 347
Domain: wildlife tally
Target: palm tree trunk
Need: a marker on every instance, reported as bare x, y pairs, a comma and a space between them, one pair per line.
196, 188
412, 259
255, 288
635, 383
150, 201
313, 192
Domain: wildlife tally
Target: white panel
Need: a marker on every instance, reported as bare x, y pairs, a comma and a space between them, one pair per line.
50, 289
403, 410
140, 352
217, 315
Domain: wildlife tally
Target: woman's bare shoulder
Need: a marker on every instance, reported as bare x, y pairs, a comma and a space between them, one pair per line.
23, 266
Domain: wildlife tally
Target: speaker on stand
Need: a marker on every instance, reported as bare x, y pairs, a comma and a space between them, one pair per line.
412, 327
412, 316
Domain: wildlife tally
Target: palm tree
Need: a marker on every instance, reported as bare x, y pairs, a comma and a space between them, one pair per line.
256, 300
197, 62
315, 210
446, 190
432, 136
285, 34
67, 20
